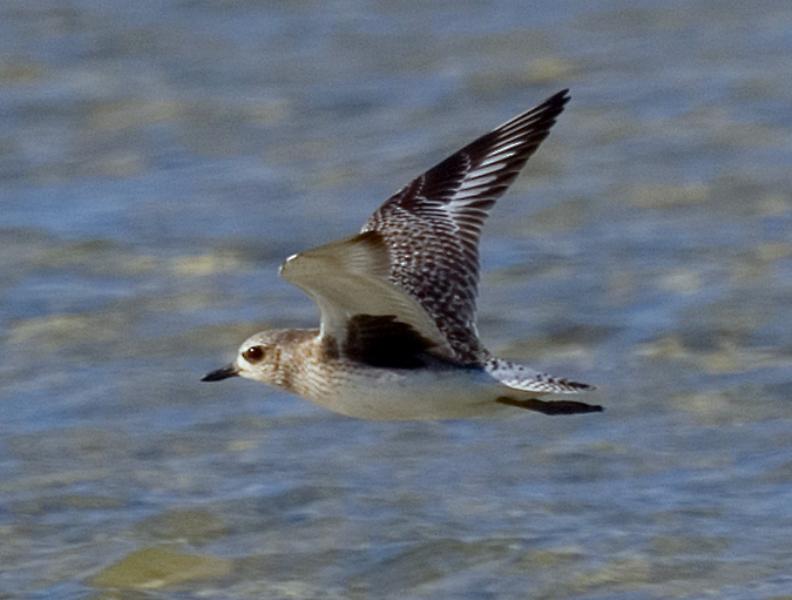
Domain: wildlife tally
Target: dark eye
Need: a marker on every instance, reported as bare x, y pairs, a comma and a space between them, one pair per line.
253, 354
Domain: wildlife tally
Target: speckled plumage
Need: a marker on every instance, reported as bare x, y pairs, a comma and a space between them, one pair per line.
432, 225
398, 337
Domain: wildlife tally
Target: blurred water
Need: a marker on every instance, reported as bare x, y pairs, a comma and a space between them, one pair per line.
159, 159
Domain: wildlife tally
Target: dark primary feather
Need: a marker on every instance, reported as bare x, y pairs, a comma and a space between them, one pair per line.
432, 225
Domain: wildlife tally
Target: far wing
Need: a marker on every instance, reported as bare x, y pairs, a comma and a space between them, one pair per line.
432, 225
348, 280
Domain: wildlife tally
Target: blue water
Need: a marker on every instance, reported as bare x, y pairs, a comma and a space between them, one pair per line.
158, 160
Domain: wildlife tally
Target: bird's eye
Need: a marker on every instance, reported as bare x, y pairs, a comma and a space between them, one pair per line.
253, 354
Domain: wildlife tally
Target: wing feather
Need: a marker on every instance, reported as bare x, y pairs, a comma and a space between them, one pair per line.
349, 278
432, 226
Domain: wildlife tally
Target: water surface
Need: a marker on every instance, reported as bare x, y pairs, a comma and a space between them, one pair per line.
159, 160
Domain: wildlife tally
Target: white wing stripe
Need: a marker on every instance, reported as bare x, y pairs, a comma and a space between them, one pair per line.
496, 157
479, 182
508, 146
470, 194
518, 136
524, 123
479, 172
520, 120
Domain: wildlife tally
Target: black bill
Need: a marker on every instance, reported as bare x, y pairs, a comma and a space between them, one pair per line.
221, 373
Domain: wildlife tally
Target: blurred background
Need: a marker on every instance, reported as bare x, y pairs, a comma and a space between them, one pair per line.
159, 159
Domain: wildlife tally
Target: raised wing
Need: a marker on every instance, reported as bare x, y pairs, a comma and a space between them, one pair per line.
368, 317
432, 226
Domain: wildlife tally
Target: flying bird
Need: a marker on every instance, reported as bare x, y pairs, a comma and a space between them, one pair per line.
398, 336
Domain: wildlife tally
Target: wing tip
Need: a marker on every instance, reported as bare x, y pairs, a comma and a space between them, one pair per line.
553, 106
285, 264
563, 95
560, 98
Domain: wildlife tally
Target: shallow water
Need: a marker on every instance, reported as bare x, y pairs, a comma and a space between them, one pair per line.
158, 161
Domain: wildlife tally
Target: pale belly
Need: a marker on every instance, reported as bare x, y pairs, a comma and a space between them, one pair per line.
414, 394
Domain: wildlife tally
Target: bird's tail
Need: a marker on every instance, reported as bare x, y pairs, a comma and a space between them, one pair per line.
529, 382
526, 379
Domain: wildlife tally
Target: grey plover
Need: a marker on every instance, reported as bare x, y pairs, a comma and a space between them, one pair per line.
398, 336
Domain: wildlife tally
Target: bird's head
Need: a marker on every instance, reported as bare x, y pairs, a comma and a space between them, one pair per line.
258, 358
